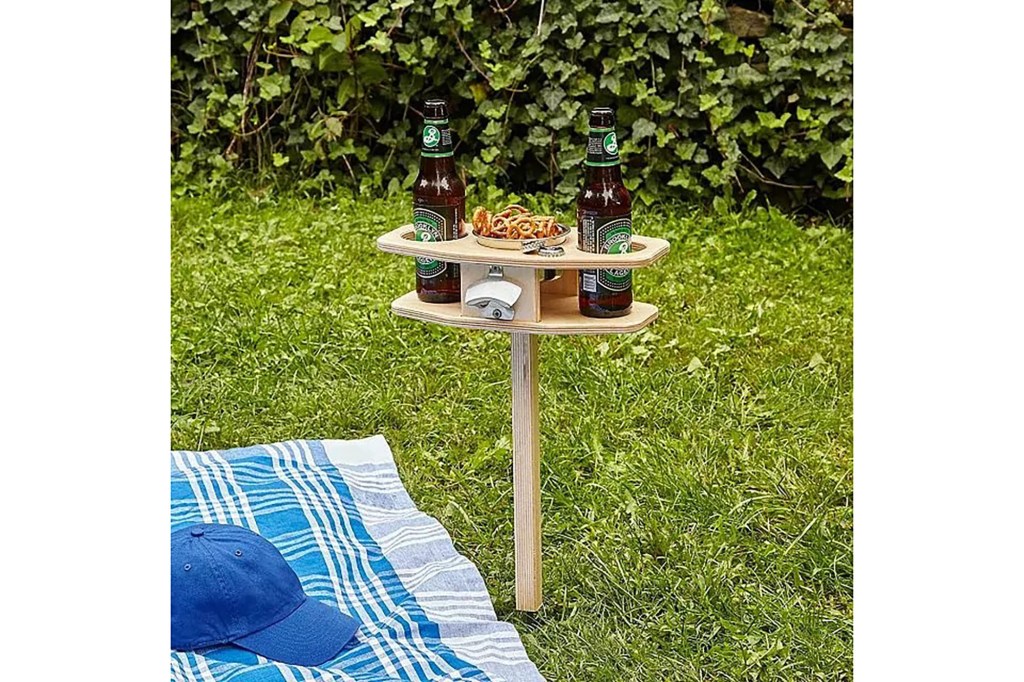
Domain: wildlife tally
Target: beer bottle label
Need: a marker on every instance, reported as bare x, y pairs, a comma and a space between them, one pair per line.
435, 224
602, 147
605, 234
436, 141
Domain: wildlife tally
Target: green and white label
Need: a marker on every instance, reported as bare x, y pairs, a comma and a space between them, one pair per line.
602, 147
606, 234
436, 140
611, 145
435, 224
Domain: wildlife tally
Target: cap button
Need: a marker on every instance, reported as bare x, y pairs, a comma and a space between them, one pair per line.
198, 532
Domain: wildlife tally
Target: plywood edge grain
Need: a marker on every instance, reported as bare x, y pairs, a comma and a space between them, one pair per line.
648, 250
559, 316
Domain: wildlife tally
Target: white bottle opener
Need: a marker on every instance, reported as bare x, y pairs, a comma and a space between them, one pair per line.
494, 296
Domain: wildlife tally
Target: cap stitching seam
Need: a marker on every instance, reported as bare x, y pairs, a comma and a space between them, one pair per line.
223, 586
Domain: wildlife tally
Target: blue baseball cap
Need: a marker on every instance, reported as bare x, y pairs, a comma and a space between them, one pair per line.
231, 586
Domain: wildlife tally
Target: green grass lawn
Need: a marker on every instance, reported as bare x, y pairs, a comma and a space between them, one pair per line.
697, 476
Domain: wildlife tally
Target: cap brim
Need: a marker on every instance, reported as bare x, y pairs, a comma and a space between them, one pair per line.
313, 634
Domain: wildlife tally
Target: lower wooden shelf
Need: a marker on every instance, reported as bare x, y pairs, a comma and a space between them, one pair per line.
559, 315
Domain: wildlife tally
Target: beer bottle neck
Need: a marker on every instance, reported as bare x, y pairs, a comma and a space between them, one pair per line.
603, 175
438, 166
602, 161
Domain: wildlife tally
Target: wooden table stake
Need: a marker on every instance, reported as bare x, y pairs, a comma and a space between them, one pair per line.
526, 470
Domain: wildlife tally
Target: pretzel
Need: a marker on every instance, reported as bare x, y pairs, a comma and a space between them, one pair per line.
481, 219
513, 222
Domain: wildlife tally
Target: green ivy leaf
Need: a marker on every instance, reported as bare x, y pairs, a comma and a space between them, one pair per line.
538, 136
381, 42
298, 28
346, 90
770, 121
720, 115
319, 35
776, 165
236, 6
685, 150
370, 69
681, 178
552, 96
278, 12
831, 154
406, 53
610, 81
340, 42
659, 46
480, 91
464, 15
334, 125
846, 172
373, 13
272, 85
330, 60
643, 128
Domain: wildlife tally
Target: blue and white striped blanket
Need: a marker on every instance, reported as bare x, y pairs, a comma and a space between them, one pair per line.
340, 515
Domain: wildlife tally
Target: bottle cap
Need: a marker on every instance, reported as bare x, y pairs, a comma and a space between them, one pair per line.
435, 109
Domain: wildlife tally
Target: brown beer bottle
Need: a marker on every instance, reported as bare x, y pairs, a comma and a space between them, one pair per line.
604, 221
438, 205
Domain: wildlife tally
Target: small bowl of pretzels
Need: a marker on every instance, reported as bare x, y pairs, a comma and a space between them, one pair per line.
514, 225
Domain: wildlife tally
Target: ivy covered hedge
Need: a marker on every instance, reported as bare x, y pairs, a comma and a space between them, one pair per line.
712, 99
